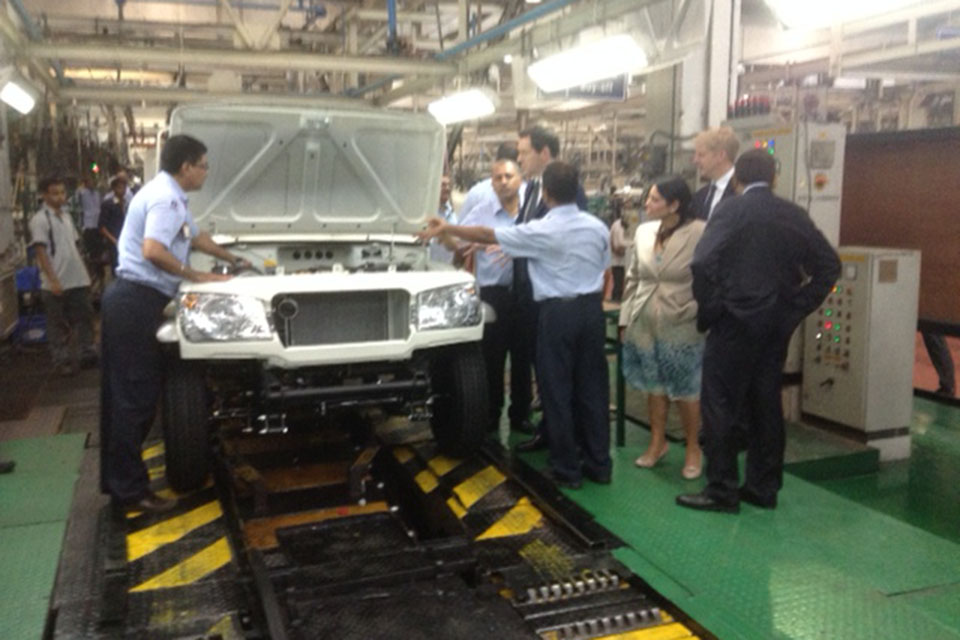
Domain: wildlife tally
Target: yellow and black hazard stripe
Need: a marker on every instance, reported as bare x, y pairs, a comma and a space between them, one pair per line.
179, 548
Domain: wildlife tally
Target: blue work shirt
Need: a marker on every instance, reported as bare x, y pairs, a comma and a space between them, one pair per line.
482, 193
492, 270
159, 212
568, 251
438, 252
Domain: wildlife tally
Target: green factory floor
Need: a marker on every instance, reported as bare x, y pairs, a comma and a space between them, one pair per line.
870, 556
875, 555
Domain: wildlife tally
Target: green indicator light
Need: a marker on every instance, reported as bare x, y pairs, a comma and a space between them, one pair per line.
839, 288
771, 151
836, 338
836, 327
828, 312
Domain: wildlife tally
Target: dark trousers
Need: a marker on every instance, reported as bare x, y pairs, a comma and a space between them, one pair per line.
526, 320
574, 385
942, 361
132, 379
742, 371
69, 322
499, 338
618, 275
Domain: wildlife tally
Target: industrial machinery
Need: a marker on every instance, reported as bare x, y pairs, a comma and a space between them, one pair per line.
859, 349
809, 164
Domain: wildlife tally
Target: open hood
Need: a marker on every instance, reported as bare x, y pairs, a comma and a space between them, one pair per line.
318, 170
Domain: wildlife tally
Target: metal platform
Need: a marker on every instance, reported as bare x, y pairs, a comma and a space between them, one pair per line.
321, 535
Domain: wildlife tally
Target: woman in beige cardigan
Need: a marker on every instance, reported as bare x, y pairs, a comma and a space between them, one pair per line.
662, 349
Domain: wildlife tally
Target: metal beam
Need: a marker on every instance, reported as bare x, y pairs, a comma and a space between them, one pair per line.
237, 21
235, 59
579, 18
853, 60
127, 95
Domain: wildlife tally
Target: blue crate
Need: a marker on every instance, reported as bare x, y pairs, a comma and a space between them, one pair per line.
31, 329
28, 279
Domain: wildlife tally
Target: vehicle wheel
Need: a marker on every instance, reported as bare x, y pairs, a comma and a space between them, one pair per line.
186, 435
460, 410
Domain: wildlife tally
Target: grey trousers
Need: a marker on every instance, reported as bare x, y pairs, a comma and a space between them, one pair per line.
69, 321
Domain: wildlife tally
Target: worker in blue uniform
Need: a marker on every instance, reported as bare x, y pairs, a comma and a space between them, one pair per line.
154, 245
567, 252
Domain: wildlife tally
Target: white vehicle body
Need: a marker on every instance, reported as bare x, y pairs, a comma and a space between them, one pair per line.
343, 307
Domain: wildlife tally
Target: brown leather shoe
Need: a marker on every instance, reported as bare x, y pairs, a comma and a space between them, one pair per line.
151, 503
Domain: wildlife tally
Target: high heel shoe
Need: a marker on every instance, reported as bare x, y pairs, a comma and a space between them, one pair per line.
646, 461
693, 471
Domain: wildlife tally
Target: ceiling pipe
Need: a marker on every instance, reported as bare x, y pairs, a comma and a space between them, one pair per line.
236, 59
126, 95
33, 32
392, 45
500, 30
250, 6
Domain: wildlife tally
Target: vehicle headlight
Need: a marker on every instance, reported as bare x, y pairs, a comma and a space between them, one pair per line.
448, 307
219, 317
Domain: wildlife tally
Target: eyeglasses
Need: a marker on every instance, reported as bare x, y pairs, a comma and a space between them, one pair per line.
203, 165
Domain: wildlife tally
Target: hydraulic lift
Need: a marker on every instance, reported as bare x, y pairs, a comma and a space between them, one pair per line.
343, 534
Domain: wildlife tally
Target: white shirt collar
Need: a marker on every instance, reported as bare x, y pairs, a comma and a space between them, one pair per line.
754, 185
724, 180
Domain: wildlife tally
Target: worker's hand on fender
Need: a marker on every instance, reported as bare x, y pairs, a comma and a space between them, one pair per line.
203, 276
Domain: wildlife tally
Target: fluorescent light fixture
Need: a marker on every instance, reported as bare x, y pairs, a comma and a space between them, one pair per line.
588, 63
465, 105
819, 14
16, 91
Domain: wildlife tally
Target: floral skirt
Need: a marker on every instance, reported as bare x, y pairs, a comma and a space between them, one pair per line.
664, 360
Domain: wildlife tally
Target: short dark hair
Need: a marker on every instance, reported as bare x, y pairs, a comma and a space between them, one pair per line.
541, 137
756, 165
115, 180
179, 149
48, 181
560, 181
507, 151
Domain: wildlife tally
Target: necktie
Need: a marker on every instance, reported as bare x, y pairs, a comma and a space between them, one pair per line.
708, 202
530, 203
522, 287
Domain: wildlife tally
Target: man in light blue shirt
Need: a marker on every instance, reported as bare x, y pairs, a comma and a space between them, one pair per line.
158, 234
483, 192
494, 273
567, 250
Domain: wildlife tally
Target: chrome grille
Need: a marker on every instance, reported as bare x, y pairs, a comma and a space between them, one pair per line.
341, 317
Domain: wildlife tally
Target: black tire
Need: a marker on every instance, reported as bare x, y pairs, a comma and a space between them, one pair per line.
460, 409
186, 434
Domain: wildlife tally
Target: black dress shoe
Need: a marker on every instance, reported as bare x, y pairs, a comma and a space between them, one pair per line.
523, 426
561, 482
536, 443
758, 501
150, 503
597, 478
6, 466
703, 502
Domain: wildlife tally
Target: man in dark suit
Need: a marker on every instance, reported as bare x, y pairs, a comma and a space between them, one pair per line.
536, 148
714, 151
760, 268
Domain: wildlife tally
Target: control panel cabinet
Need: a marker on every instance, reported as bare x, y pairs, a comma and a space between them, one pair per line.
859, 347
